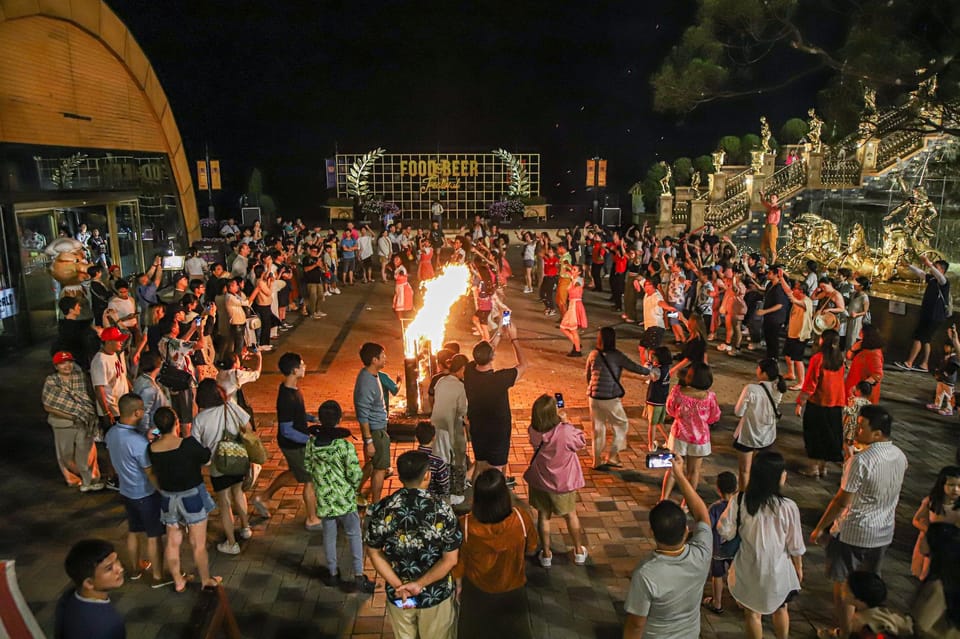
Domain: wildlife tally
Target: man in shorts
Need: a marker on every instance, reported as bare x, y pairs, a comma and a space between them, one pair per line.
653, 328
372, 414
128, 451
860, 518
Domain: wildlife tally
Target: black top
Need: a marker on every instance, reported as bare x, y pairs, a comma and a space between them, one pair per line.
290, 408
934, 303
77, 618
659, 389
776, 295
314, 275
694, 350
77, 338
179, 469
488, 396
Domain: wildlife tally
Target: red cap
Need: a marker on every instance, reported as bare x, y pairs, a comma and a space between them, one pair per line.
62, 356
113, 334
114, 267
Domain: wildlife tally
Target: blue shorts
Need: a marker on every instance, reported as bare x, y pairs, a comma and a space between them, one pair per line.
186, 507
143, 515
528, 263
676, 321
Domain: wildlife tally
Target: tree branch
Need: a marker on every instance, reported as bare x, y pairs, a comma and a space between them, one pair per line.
768, 89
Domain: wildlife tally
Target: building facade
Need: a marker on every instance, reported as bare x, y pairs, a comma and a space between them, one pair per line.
89, 149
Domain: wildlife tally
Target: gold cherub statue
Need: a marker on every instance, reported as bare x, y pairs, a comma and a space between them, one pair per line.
665, 180
765, 136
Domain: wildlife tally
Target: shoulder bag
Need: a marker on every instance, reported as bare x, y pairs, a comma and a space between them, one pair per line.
623, 391
728, 549
231, 457
776, 409
256, 451
174, 378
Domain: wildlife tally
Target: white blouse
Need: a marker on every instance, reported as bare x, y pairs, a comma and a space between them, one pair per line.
763, 574
758, 420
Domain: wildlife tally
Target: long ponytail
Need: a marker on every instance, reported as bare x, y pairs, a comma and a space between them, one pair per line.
771, 370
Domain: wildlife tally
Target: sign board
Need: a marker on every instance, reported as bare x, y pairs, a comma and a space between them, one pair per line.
211, 251
215, 174
249, 215
602, 173
591, 173
897, 308
8, 303
202, 184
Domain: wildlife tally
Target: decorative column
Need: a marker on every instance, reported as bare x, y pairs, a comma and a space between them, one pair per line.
814, 169
683, 193
718, 187
769, 164
867, 156
698, 214
665, 210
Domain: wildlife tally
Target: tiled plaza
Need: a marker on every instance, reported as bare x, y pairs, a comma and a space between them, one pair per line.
273, 584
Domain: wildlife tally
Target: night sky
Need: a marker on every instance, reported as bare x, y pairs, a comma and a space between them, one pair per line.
280, 86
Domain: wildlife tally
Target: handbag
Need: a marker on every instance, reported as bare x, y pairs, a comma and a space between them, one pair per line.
256, 451
728, 549
231, 457
174, 378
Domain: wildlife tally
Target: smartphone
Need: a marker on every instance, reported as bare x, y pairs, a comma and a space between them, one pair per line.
660, 460
559, 398
199, 321
506, 319
411, 602
673, 315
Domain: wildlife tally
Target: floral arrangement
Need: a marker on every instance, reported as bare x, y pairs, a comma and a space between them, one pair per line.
375, 209
505, 209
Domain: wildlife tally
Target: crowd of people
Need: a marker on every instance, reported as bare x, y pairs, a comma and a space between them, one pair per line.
158, 377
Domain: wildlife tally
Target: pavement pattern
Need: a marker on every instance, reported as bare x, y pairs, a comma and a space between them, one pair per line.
274, 584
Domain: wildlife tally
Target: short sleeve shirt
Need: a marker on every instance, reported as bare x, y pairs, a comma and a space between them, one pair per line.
776, 295
414, 529
488, 395
129, 454
110, 372
667, 590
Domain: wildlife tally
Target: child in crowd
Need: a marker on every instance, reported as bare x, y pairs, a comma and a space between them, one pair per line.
85, 610
946, 376
332, 462
859, 397
403, 292
330, 277
439, 469
866, 592
722, 552
657, 391
942, 504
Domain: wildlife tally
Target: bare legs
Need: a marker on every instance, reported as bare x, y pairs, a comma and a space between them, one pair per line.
795, 371
573, 527
232, 499
753, 626
921, 350
283, 480
691, 471
153, 555
574, 337
744, 461
198, 539
376, 477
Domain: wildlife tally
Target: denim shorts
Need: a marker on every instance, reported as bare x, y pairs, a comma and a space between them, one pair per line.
143, 515
186, 507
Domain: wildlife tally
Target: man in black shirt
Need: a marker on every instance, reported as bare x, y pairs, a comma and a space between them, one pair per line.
488, 403
776, 308
313, 270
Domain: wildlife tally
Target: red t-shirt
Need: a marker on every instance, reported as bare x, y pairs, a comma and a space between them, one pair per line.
619, 263
550, 265
598, 252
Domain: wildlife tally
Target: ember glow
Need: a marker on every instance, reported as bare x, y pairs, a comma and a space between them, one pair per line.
430, 323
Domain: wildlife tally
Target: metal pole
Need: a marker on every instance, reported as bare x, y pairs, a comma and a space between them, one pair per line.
211, 211
597, 218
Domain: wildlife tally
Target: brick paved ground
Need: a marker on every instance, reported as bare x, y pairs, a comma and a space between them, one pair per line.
273, 583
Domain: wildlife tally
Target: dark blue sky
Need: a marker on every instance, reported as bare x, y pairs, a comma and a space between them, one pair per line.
279, 85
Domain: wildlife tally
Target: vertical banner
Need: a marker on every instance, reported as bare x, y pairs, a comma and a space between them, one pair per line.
602, 173
591, 173
202, 175
331, 166
215, 174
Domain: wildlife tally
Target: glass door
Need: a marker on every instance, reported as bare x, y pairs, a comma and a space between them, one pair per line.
127, 245
36, 229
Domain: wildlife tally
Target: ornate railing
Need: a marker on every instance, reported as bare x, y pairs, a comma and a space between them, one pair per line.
730, 212
840, 173
897, 145
681, 213
787, 180
736, 184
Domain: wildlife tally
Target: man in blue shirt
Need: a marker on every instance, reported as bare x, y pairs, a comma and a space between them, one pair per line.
128, 451
85, 611
372, 414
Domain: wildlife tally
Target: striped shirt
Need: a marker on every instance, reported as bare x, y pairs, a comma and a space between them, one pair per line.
874, 477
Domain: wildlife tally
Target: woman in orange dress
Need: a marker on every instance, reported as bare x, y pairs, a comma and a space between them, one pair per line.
575, 318
866, 362
821, 403
425, 261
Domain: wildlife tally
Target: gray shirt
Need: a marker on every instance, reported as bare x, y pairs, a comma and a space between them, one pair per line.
368, 400
667, 590
239, 266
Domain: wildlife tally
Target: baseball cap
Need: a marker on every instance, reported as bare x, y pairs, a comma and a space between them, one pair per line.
62, 356
113, 334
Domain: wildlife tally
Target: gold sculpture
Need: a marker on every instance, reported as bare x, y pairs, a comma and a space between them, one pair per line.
869, 100
814, 130
665, 180
916, 213
718, 157
765, 135
695, 182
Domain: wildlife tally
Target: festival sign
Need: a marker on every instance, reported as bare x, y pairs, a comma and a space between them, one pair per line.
464, 183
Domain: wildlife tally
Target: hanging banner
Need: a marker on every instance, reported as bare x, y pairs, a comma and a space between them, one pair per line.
331, 166
602, 173
215, 174
591, 173
202, 175
8, 303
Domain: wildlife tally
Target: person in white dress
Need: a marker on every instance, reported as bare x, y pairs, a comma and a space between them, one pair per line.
768, 569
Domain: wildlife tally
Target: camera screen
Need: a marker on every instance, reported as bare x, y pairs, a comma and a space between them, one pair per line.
559, 398
660, 460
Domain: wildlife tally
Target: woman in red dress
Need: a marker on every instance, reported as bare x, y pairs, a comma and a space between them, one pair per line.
425, 261
403, 293
866, 362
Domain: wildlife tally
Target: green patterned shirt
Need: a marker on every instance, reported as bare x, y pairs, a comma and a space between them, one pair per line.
336, 476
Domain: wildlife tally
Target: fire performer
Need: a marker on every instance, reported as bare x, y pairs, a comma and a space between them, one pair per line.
488, 404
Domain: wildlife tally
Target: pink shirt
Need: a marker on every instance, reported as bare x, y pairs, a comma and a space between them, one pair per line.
555, 467
692, 416
773, 213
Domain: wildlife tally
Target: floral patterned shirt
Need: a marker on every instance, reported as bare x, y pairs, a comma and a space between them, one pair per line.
413, 529
692, 415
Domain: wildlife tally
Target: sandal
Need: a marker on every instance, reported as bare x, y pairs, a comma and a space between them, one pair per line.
827, 633
708, 604
187, 579
213, 583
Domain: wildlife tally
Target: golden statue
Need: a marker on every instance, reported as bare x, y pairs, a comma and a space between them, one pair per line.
869, 100
916, 213
695, 182
718, 157
765, 135
665, 180
814, 131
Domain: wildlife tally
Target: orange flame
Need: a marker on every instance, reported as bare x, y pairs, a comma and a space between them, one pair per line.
430, 322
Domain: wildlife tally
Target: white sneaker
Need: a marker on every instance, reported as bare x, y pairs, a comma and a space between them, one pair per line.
722, 346
229, 549
319, 314
528, 290
246, 533
267, 348
336, 291
580, 558
545, 561
456, 500
90, 488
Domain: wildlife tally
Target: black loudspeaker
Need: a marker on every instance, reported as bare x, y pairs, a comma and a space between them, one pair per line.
610, 217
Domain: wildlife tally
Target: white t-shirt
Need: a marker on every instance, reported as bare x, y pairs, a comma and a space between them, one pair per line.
124, 308
667, 590
109, 371
194, 267
365, 246
652, 313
